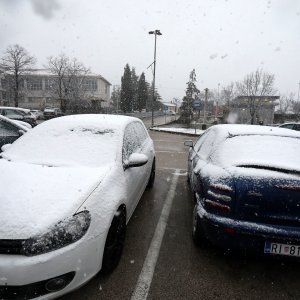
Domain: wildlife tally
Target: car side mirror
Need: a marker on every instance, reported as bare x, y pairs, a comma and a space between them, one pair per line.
5, 147
135, 160
189, 143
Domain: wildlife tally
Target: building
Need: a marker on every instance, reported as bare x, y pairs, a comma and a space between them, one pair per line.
263, 106
38, 91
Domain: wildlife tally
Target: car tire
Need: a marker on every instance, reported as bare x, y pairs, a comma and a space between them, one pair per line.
197, 232
114, 242
152, 176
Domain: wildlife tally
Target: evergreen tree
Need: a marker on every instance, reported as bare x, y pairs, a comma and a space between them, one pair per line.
134, 80
127, 90
191, 93
142, 93
157, 105
116, 96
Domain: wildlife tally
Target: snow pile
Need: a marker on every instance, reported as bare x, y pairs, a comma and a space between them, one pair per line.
189, 131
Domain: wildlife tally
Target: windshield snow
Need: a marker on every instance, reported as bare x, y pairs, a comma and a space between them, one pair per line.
67, 145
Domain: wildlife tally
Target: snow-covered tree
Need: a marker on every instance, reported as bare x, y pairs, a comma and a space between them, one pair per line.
127, 90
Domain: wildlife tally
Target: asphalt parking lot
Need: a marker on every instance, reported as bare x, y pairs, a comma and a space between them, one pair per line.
160, 260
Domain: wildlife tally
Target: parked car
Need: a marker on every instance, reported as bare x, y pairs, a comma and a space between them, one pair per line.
52, 112
37, 113
10, 131
79, 179
19, 114
245, 181
293, 126
170, 112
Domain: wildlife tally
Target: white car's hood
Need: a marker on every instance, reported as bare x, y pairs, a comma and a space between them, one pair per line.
34, 197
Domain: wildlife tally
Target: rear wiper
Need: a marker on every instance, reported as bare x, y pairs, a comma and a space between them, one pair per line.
275, 169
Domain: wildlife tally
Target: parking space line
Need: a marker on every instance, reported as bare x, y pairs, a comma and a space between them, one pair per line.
164, 151
144, 281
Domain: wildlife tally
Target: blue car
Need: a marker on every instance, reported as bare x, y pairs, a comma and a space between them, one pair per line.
245, 181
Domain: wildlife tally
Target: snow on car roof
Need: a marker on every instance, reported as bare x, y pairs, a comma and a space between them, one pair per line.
87, 140
237, 129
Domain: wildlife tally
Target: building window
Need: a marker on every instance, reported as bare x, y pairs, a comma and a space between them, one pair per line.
34, 84
90, 85
50, 83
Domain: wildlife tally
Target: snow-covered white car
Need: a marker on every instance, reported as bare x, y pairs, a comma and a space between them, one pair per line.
67, 190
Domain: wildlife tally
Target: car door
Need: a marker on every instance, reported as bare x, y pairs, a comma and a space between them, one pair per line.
194, 157
131, 144
8, 133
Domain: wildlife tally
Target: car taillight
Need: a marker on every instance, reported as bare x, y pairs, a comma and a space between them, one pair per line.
219, 197
218, 205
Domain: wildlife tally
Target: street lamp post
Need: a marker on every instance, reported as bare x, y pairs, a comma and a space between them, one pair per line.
155, 32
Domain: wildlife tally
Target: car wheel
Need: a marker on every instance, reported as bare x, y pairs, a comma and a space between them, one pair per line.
197, 233
152, 176
114, 242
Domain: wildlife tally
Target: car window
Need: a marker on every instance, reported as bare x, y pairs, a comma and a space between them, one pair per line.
7, 129
132, 141
200, 141
289, 126
141, 132
207, 146
297, 127
12, 112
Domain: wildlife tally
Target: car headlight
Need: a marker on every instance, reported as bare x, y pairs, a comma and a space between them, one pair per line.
62, 234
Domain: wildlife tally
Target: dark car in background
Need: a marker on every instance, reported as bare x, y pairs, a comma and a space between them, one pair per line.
246, 188
18, 114
52, 112
293, 126
10, 131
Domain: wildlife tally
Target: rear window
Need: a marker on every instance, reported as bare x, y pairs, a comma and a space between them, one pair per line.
259, 150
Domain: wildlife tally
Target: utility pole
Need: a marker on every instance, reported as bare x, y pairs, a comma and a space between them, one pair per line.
298, 92
205, 104
155, 32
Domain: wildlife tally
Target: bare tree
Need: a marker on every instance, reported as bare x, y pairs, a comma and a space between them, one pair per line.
254, 86
227, 95
286, 102
68, 79
15, 63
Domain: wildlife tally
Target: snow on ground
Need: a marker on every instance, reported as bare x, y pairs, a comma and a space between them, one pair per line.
188, 131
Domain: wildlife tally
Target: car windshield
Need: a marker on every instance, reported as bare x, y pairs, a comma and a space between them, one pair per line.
258, 150
67, 145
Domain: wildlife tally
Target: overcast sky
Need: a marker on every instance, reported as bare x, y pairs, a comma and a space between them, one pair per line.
222, 39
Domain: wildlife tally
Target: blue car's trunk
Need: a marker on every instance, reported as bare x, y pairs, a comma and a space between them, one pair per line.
268, 200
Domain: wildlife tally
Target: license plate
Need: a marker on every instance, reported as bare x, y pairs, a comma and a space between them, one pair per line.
282, 249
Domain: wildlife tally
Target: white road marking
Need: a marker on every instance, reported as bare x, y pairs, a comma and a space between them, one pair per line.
144, 281
176, 169
164, 151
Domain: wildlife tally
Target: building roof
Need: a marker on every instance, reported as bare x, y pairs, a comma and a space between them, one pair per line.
47, 72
